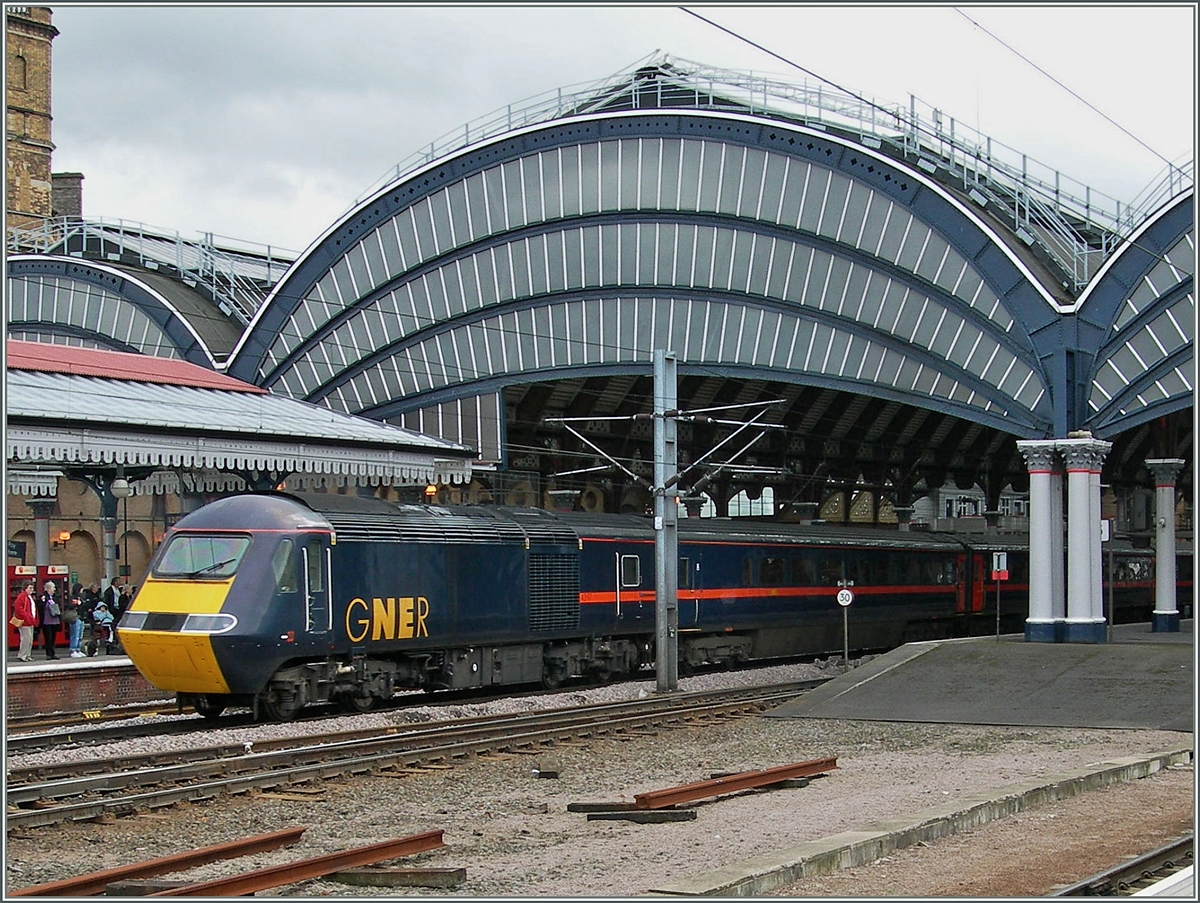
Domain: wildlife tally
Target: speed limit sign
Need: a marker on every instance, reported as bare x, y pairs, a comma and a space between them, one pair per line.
845, 597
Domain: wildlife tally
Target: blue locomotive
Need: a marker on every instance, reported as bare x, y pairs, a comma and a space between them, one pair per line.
273, 601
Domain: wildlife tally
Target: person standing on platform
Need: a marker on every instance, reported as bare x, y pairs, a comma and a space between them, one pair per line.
71, 609
89, 597
51, 617
25, 611
112, 597
116, 598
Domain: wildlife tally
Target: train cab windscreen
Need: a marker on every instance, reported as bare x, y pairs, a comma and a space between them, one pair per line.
201, 556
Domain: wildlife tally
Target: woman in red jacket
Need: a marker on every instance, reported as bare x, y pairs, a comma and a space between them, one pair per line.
26, 612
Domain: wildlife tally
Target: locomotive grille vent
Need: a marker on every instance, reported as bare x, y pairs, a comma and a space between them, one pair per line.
553, 592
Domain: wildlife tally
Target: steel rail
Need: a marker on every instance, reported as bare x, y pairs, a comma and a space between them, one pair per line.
746, 780
286, 752
1110, 882
82, 768
93, 731
306, 869
273, 771
95, 882
38, 723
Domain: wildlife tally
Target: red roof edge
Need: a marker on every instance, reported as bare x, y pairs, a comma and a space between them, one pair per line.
118, 365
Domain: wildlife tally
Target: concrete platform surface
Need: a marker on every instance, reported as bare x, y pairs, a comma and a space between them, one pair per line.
1138, 680
770, 871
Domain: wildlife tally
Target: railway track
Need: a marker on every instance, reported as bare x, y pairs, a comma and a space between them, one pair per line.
127, 784
40, 732
1136, 874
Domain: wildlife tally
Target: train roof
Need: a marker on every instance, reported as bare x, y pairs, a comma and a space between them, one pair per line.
366, 518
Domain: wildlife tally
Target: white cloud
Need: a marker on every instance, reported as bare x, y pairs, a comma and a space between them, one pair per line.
265, 123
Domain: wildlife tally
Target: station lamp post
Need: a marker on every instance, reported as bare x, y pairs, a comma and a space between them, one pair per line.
110, 492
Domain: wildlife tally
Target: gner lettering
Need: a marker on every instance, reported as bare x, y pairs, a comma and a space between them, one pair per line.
387, 619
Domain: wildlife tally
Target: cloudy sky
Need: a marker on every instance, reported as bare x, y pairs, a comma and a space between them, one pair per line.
266, 123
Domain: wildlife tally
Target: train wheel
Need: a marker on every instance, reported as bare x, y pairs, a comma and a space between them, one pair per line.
208, 707
280, 704
553, 676
602, 673
349, 702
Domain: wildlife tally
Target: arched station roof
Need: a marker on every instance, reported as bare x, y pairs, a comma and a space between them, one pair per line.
895, 314
94, 304
756, 248
913, 312
1139, 318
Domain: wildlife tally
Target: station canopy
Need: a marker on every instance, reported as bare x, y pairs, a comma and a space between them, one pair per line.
181, 427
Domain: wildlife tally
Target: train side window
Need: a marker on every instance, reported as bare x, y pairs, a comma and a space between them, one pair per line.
685, 574
283, 563
316, 572
747, 571
831, 571
804, 571
771, 573
856, 571
931, 571
949, 573
631, 570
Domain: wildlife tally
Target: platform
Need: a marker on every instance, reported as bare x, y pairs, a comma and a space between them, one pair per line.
68, 684
1139, 679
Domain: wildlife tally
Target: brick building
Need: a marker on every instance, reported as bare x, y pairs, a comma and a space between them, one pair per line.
28, 38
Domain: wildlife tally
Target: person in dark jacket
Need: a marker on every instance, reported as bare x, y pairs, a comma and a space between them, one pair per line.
50, 612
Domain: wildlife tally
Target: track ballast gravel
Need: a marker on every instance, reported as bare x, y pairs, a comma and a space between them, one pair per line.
511, 831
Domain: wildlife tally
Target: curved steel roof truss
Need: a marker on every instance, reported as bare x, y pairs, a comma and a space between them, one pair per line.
547, 338
806, 240
99, 305
1144, 303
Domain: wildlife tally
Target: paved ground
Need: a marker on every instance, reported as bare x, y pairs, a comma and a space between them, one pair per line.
1138, 680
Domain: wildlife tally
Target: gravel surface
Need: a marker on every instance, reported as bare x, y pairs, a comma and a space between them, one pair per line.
511, 831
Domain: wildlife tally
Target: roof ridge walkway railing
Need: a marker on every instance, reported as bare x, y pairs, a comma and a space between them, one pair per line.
1076, 225
237, 278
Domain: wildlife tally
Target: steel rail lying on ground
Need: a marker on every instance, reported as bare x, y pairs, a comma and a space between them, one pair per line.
306, 869
746, 780
95, 882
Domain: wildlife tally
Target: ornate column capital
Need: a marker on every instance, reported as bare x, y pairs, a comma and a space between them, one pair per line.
42, 508
1039, 455
1083, 454
1165, 470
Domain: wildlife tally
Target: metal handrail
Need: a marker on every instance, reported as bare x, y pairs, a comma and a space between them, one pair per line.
237, 278
1075, 224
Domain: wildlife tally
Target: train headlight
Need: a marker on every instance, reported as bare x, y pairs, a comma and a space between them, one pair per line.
133, 620
218, 623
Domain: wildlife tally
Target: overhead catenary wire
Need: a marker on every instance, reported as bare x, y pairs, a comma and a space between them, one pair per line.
1069, 90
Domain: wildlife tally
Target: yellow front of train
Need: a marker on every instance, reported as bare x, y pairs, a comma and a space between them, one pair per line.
181, 612
161, 634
